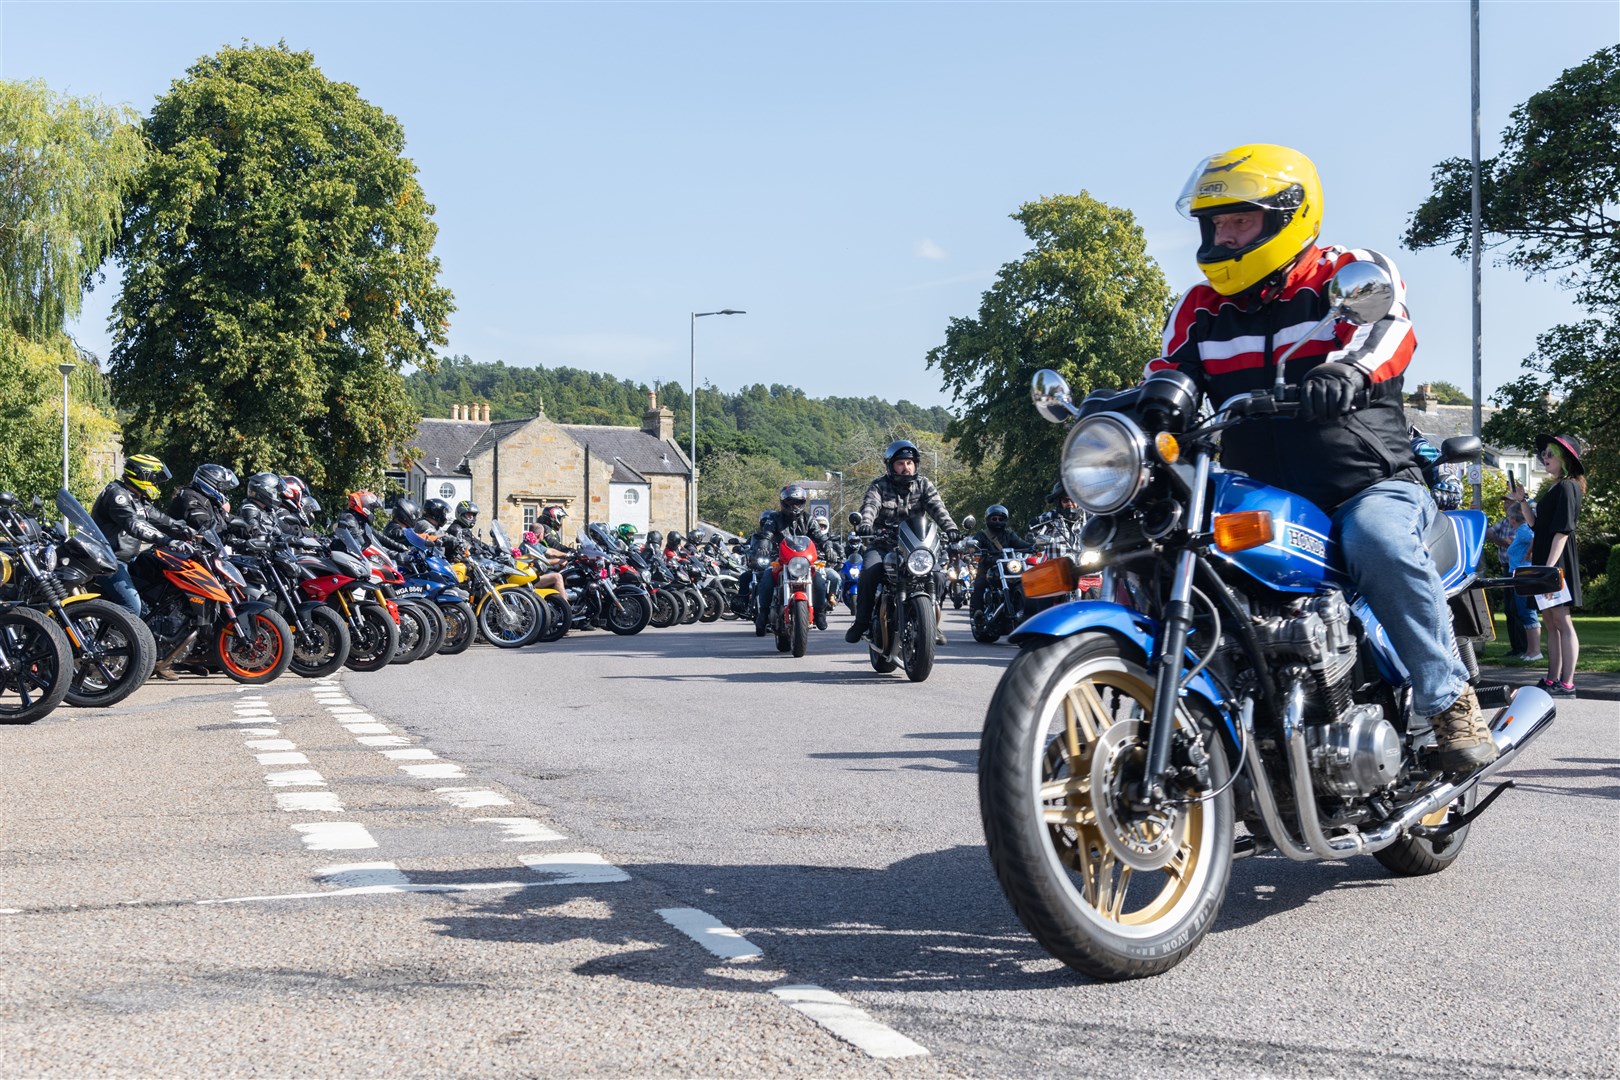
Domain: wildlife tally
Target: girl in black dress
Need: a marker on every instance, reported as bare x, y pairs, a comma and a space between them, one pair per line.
1553, 519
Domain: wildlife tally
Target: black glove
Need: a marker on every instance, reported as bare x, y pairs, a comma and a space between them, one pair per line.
180, 548
1329, 390
953, 535
863, 529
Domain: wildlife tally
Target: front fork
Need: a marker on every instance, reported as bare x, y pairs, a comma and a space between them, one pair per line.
1171, 648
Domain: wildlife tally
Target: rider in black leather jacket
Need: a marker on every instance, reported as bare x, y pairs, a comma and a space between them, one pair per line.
996, 538
126, 514
793, 519
892, 497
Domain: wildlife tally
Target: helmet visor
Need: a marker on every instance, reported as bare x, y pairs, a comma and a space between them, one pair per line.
1218, 182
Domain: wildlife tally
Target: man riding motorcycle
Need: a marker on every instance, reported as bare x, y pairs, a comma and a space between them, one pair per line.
205, 503
996, 538
1060, 507
1259, 209
889, 500
360, 519
791, 519
127, 514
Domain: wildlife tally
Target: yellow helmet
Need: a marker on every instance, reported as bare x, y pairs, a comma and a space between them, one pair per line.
144, 473
1274, 179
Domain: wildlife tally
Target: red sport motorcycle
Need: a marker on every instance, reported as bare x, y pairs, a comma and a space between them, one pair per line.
793, 609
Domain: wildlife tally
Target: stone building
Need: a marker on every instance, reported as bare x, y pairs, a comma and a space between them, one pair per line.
512, 468
1441, 422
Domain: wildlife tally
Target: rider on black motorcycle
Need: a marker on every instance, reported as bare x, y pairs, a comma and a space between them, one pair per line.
205, 503
792, 519
890, 499
360, 519
996, 537
126, 513
1260, 210
1060, 507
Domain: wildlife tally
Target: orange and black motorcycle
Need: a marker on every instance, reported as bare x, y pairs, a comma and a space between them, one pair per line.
204, 616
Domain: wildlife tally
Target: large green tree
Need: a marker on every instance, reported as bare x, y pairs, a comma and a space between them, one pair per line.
278, 275
1550, 205
68, 164
1086, 300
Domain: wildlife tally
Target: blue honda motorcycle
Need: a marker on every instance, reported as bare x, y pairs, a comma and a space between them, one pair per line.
1244, 683
429, 576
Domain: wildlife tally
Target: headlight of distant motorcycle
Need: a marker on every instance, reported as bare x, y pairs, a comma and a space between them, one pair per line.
1104, 463
1013, 566
920, 562
798, 567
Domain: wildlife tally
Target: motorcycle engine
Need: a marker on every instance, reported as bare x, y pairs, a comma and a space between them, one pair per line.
168, 621
1355, 755
1315, 632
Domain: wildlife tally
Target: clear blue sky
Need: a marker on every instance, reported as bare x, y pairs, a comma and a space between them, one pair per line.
844, 171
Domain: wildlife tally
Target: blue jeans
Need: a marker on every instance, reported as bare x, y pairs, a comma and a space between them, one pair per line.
1522, 609
1380, 533
119, 586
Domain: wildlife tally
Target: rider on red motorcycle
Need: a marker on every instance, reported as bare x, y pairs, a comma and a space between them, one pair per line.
792, 519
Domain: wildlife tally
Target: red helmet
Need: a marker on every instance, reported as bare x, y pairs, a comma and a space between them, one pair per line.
364, 504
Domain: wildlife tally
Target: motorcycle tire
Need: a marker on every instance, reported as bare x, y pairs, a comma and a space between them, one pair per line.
666, 610
460, 627
799, 628
1414, 856
435, 622
694, 606
1059, 844
415, 635
559, 616
526, 620
917, 652
41, 665
261, 660
322, 649
727, 611
984, 630
632, 613
876, 649
714, 604
373, 647
127, 648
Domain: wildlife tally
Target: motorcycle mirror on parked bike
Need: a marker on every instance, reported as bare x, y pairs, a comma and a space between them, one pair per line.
1050, 393
969, 522
1359, 293
854, 517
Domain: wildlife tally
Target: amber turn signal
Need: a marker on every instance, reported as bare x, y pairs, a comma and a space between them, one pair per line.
1243, 530
1167, 446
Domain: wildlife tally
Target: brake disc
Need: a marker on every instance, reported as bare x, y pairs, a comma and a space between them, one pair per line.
1142, 840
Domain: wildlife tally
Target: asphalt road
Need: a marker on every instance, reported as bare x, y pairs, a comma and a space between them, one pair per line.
483, 865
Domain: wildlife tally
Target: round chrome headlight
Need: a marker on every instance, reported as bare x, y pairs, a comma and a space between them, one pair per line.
920, 562
1014, 566
1104, 463
798, 567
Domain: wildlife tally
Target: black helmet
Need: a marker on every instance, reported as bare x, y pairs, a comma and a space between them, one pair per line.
144, 473
674, 540
697, 536
309, 506
898, 450
406, 512
1057, 496
216, 482
552, 517
264, 489
437, 511
467, 513
655, 539
767, 521
995, 516
793, 498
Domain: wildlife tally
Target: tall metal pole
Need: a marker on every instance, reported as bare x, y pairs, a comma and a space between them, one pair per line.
1474, 246
691, 488
66, 370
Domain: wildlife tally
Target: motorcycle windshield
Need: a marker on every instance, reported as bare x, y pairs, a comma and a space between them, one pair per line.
498, 534
81, 524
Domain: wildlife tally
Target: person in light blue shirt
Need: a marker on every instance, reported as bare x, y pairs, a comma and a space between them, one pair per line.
1522, 608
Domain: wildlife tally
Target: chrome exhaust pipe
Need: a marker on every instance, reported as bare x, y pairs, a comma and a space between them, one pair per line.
1266, 801
1527, 715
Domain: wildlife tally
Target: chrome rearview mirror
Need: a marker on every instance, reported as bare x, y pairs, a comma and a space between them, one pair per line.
1051, 396
1359, 293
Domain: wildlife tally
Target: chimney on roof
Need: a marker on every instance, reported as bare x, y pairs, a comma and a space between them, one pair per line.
1422, 397
658, 421
483, 412
455, 412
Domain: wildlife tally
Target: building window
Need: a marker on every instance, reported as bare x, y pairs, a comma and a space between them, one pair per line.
531, 514
447, 491
632, 496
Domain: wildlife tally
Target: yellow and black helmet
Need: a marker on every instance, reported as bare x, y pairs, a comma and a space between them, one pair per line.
1274, 179
144, 473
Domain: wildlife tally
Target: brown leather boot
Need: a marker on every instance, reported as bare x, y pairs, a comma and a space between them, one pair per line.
1463, 739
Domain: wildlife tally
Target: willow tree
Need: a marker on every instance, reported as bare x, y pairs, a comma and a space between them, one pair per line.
278, 275
1087, 300
68, 164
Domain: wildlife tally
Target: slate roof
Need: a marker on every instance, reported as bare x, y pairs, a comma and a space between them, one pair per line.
445, 444
640, 452
497, 432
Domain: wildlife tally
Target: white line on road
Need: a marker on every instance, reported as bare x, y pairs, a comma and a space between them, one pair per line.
417, 753
363, 875
271, 744
574, 868
282, 759
299, 801
849, 1022
441, 770
366, 729
521, 830
295, 778
471, 798
374, 890
710, 933
335, 836
264, 731
382, 740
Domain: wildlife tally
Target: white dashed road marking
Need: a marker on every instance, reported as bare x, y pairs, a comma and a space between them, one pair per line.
271, 744
335, 836
282, 759
298, 801
471, 798
363, 875
574, 868
849, 1022
382, 740
442, 770
710, 933
367, 729
521, 830
415, 753
295, 778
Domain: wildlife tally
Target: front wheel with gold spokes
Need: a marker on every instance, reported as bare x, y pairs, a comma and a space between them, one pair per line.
1109, 889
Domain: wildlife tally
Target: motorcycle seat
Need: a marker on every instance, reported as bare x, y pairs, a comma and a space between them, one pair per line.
1444, 546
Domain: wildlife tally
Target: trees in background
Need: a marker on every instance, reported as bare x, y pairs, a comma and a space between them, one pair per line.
68, 163
1087, 301
278, 275
1551, 206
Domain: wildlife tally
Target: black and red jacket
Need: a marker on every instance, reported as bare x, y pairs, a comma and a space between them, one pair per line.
1230, 344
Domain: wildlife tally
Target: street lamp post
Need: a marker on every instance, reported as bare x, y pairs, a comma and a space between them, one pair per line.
66, 369
841, 522
691, 507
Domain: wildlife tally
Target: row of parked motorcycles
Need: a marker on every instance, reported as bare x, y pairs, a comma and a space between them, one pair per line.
255, 609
